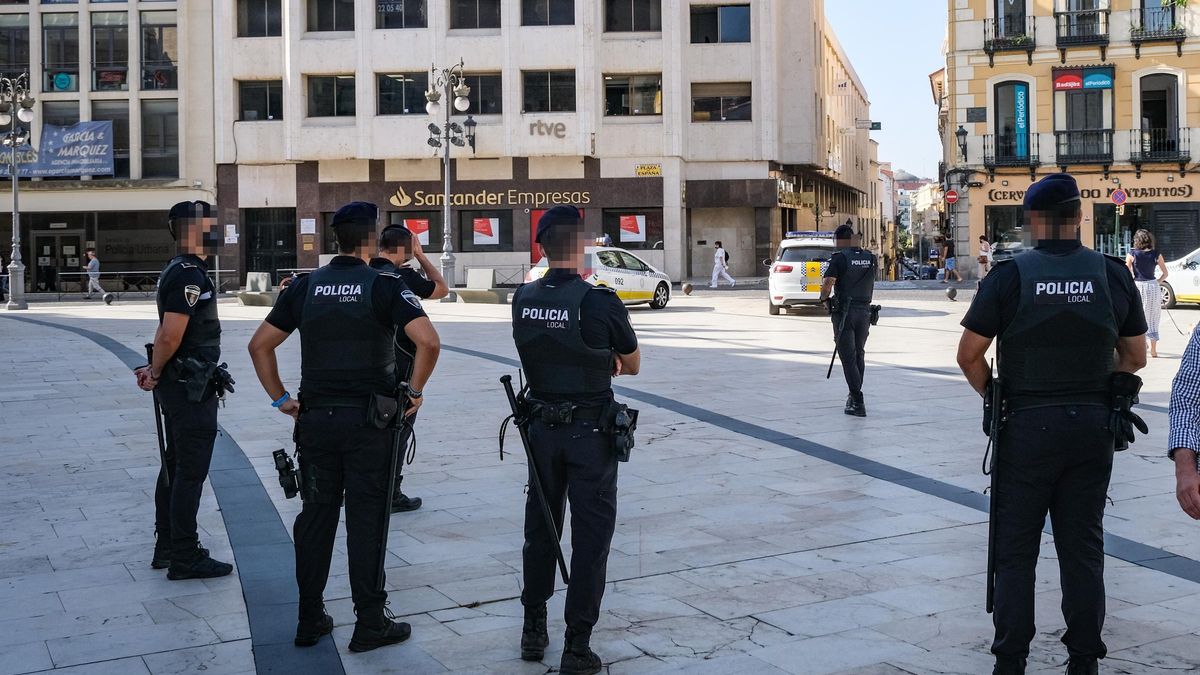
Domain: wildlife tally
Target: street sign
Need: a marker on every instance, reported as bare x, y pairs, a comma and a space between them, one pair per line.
951, 197
876, 126
863, 124
1119, 197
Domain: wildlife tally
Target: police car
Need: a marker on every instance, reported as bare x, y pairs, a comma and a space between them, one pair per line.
1183, 281
636, 281
798, 270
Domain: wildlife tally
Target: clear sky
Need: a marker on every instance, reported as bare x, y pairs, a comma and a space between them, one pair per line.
894, 46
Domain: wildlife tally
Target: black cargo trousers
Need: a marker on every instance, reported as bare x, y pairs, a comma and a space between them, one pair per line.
851, 337
190, 430
576, 462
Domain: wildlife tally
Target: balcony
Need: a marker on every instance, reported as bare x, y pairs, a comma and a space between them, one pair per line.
1008, 36
1156, 24
1160, 146
1010, 150
1081, 27
1093, 146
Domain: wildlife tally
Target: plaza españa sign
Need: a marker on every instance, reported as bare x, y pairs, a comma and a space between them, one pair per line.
83, 149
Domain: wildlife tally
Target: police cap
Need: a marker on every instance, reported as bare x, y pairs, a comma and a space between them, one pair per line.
844, 232
185, 210
1052, 192
556, 217
356, 212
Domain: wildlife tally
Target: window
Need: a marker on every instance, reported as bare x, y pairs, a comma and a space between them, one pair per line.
632, 95
485, 231
634, 229
427, 225
487, 95
331, 96
59, 114
720, 23
270, 240
160, 51
632, 15
400, 14
160, 139
402, 93
1012, 120
110, 51
260, 101
14, 44
549, 91
547, 12
474, 13
728, 102
330, 15
116, 112
1010, 18
60, 52
258, 18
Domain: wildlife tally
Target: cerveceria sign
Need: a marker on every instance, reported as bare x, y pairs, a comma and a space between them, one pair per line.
1135, 193
513, 197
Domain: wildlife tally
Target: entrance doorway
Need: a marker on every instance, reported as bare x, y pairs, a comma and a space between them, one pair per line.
270, 240
57, 252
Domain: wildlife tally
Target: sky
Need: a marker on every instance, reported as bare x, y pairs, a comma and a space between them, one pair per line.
894, 51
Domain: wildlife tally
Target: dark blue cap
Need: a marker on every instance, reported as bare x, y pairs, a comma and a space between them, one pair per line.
843, 232
1051, 192
559, 215
190, 210
356, 212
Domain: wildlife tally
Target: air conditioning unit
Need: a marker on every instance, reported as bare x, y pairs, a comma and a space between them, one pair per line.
66, 82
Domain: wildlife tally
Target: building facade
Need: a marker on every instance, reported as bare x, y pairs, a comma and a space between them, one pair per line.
146, 67
671, 123
1105, 90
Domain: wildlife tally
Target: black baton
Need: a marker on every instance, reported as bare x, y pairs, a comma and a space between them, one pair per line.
397, 436
836, 339
535, 478
158, 421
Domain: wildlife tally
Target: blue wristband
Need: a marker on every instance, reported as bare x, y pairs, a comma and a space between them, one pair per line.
282, 399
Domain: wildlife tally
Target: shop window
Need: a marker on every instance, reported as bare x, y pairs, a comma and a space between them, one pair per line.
634, 229
623, 16
487, 95
160, 138
549, 91
270, 241
632, 95
14, 44
547, 12
60, 52
400, 14
485, 231
425, 225
726, 102
160, 51
1004, 226
331, 96
116, 112
260, 101
402, 93
110, 51
330, 15
720, 23
474, 13
259, 18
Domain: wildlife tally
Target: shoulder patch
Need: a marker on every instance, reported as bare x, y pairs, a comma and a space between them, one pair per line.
604, 289
191, 293
187, 265
411, 298
390, 274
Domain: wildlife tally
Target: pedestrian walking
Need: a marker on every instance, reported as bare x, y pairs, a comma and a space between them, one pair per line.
397, 246
93, 274
951, 261
1060, 312
348, 315
721, 267
1184, 439
1144, 261
985, 256
850, 277
187, 349
573, 338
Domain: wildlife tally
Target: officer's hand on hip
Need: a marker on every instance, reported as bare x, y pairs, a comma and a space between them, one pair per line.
291, 408
413, 404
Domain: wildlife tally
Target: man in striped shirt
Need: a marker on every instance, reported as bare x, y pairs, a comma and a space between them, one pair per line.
1185, 428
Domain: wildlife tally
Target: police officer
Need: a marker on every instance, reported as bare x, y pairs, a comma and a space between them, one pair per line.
1071, 333
851, 278
347, 315
187, 346
572, 339
396, 247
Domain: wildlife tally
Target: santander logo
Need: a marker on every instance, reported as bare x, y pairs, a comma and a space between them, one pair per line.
401, 198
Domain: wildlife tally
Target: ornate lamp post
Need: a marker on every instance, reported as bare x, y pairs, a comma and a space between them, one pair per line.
16, 106
450, 82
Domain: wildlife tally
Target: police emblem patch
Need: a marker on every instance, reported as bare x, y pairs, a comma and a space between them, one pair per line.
411, 298
191, 293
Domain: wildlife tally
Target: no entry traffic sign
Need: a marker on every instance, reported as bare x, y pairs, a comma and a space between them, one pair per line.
1119, 197
951, 197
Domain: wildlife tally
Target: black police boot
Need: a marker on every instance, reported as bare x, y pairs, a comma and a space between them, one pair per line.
534, 638
162, 551
1082, 666
196, 565
849, 409
402, 502
314, 622
377, 629
578, 657
1009, 666
855, 406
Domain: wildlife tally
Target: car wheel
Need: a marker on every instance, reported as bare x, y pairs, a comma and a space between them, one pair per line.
662, 295
1168, 295
773, 309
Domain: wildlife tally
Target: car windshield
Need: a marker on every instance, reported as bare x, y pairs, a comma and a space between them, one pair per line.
609, 259
804, 254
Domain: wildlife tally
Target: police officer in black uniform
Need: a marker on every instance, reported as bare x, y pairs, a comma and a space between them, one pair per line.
347, 315
397, 246
1071, 333
851, 278
572, 339
187, 347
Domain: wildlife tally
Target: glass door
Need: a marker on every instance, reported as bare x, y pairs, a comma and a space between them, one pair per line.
270, 240
57, 253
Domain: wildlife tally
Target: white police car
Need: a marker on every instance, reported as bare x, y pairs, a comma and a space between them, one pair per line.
1183, 281
798, 270
636, 281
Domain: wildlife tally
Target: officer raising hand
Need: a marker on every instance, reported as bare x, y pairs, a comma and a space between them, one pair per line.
347, 315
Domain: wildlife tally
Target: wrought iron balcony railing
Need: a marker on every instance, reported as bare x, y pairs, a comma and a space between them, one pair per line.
1011, 149
1157, 24
1092, 146
1081, 26
1149, 145
1006, 35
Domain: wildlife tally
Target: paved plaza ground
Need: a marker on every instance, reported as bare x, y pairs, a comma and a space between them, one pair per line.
759, 529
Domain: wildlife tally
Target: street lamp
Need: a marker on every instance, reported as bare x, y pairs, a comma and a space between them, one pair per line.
15, 98
452, 83
961, 134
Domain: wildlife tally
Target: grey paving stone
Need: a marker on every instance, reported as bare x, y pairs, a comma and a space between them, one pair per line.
24, 658
114, 644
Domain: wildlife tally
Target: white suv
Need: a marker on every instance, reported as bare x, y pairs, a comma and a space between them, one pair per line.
798, 270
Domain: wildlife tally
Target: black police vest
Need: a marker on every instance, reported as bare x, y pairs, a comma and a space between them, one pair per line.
203, 332
342, 342
1060, 345
547, 327
857, 284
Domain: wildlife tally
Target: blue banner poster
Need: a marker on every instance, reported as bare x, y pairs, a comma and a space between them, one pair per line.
1021, 114
84, 149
